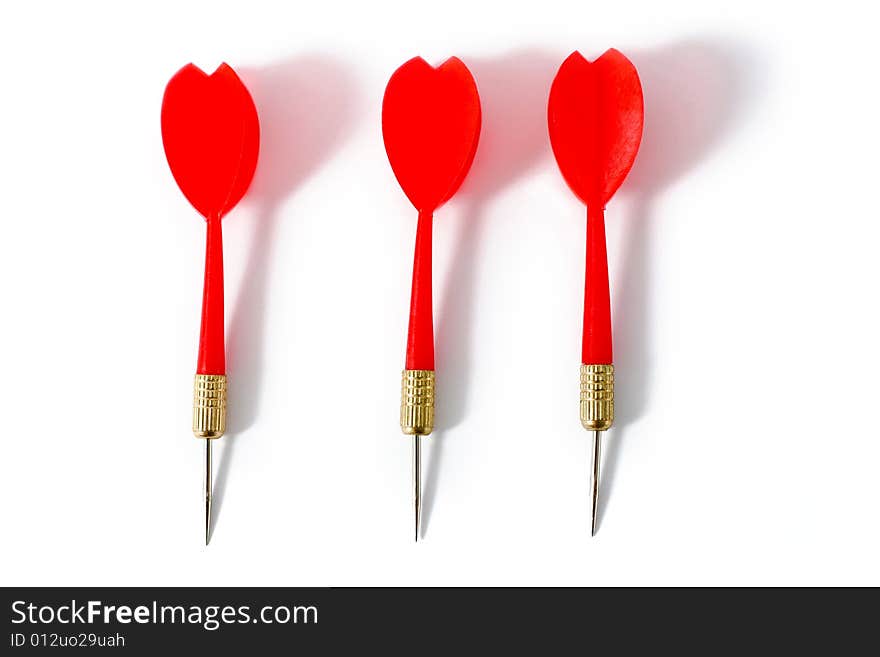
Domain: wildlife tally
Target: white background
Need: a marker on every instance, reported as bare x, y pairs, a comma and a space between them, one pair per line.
744, 265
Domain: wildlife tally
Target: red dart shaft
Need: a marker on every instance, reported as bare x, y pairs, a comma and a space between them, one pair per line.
420, 339
596, 348
212, 348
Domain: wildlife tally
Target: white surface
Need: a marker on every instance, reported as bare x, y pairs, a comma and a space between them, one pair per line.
744, 268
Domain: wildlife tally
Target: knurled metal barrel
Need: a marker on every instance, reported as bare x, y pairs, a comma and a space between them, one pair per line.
209, 405
417, 402
597, 396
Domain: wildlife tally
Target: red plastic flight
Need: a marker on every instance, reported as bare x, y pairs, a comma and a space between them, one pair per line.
595, 116
211, 135
431, 126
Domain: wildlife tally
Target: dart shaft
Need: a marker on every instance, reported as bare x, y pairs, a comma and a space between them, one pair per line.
212, 346
596, 345
420, 336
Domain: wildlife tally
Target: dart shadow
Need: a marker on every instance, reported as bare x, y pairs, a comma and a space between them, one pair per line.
306, 106
696, 94
513, 140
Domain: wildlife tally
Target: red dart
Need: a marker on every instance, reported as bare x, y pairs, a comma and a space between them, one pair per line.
211, 135
431, 126
595, 116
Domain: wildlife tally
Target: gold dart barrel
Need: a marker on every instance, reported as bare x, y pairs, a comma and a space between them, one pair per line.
597, 397
417, 402
209, 406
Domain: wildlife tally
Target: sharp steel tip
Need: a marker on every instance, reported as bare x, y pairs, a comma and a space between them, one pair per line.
594, 482
209, 491
417, 484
